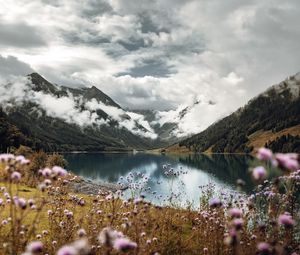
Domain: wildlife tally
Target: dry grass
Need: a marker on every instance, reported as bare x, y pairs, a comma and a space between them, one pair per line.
260, 138
155, 230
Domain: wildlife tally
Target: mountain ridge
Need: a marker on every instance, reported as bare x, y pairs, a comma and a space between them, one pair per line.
93, 121
40, 121
276, 109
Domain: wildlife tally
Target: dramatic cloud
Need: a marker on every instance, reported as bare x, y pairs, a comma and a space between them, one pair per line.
161, 54
20, 35
12, 66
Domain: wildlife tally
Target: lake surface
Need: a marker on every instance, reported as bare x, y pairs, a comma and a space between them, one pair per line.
222, 171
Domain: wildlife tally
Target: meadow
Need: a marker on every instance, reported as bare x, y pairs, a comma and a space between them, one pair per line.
39, 214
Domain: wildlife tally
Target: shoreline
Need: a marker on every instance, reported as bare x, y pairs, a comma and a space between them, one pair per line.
99, 152
89, 187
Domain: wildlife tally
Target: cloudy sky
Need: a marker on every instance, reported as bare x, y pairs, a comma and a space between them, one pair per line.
155, 54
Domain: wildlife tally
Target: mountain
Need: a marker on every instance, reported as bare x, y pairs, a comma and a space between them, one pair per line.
46, 116
165, 131
271, 119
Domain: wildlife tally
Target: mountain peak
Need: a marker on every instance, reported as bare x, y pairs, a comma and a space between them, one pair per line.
94, 92
41, 84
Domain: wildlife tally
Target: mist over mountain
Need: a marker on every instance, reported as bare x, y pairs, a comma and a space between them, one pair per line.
47, 116
271, 119
55, 117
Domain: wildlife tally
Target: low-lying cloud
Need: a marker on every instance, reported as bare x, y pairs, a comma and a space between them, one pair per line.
73, 110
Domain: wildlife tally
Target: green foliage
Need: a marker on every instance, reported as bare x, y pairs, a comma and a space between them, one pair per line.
10, 135
270, 111
26, 126
285, 143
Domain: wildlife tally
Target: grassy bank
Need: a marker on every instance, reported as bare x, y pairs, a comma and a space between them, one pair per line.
51, 216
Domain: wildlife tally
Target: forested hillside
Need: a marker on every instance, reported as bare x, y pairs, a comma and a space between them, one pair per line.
28, 123
269, 113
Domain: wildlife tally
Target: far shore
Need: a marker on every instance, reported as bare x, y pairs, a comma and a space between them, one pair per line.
155, 151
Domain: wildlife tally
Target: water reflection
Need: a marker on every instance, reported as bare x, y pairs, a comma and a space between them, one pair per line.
222, 170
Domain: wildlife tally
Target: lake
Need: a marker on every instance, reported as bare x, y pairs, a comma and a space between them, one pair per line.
221, 171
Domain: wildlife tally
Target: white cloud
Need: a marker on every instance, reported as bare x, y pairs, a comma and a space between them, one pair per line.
17, 90
224, 51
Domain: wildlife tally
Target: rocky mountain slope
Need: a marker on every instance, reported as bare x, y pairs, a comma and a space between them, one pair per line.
46, 116
271, 119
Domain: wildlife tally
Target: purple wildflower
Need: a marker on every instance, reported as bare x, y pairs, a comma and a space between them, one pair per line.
238, 223
81, 232
34, 247
287, 161
67, 250
21, 202
46, 172
259, 173
6, 157
264, 154
16, 176
263, 248
286, 220
124, 244
215, 202
235, 213
59, 171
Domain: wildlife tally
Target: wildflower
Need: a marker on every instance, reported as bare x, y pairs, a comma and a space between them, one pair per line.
67, 250
81, 202
238, 223
22, 160
59, 171
231, 238
287, 161
4, 222
81, 232
21, 202
259, 173
16, 176
31, 202
124, 244
47, 182
42, 187
263, 248
49, 212
264, 154
235, 213
6, 157
286, 220
240, 182
61, 224
34, 247
108, 236
46, 172
215, 202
